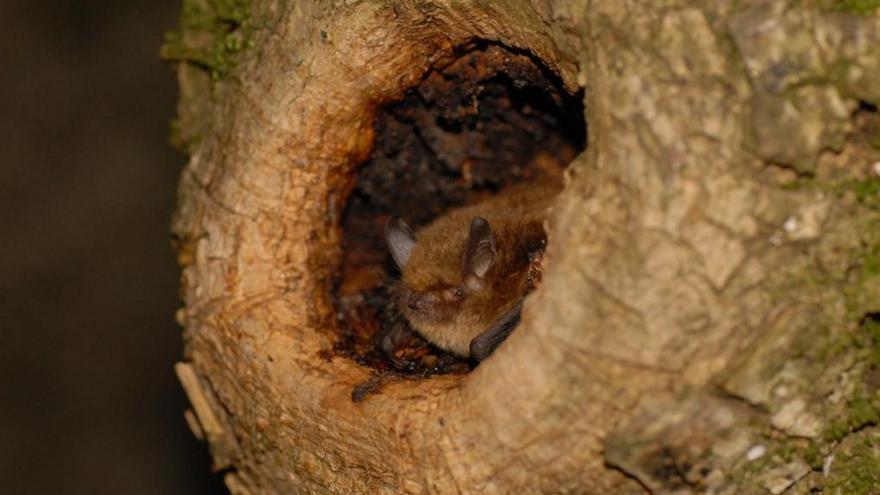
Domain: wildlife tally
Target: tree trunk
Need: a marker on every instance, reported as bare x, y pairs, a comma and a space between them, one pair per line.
709, 315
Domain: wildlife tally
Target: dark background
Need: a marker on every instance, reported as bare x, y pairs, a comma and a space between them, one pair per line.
88, 284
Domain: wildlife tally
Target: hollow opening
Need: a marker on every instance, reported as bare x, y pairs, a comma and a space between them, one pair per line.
487, 118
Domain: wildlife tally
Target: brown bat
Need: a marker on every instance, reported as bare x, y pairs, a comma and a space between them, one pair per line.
464, 275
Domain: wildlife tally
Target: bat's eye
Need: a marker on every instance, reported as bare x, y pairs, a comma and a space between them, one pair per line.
454, 293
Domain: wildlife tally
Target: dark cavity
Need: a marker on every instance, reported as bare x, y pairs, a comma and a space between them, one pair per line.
487, 119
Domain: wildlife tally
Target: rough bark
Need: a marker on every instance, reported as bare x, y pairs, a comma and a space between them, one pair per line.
708, 318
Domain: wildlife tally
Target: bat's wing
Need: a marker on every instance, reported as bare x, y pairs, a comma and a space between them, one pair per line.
486, 342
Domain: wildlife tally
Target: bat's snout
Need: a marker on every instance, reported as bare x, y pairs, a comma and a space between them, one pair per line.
416, 302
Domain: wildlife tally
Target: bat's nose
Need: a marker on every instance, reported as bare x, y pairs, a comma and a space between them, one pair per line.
415, 302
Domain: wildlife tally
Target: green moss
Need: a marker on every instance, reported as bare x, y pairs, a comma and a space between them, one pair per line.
861, 412
801, 183
863, 407
787, 452
813, 456
868, 191
210, 35
862, 188
872, 329
857, 7
833, 347
857, 470
209, 38
839, 336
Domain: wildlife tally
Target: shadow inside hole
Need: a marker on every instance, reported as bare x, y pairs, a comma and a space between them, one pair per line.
489, 119
866, 124
871, 319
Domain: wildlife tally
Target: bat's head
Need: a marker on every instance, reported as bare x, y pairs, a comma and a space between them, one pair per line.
445, 277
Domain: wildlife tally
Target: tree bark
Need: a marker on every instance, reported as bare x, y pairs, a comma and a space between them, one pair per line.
708, 316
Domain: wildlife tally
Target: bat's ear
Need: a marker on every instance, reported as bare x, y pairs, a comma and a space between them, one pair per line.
479, 253
400, 239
